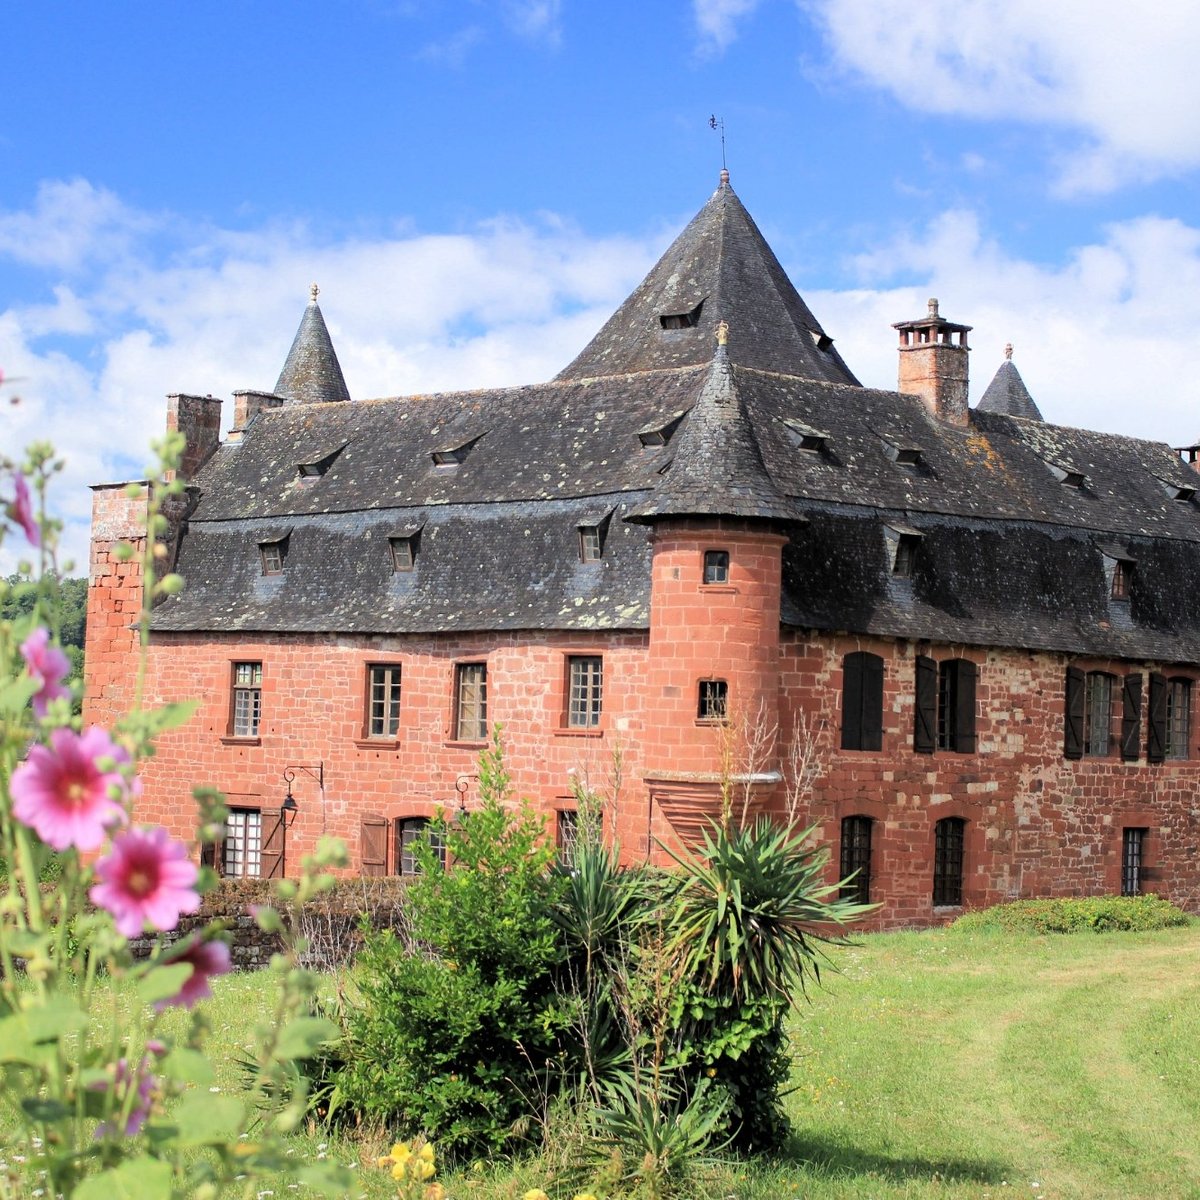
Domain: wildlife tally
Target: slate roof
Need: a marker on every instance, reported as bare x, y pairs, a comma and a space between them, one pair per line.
312, 373
1017, 516
1008, 395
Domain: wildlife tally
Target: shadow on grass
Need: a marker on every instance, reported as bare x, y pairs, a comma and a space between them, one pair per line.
840, 1162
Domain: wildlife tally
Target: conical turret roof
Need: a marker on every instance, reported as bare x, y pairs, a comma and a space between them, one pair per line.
312, 373
717, 469
1007, 393
720, 268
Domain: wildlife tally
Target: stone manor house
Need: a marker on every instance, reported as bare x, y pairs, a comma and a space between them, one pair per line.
979, 632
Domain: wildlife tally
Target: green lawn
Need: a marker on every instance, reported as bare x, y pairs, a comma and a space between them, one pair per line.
943, 1065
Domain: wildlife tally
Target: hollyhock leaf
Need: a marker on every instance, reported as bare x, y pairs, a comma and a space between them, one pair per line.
45, 1110
16, 695
330, 1179
202, 1119
161, 983
303, 1037
141, 1178
170, 716
188, 1066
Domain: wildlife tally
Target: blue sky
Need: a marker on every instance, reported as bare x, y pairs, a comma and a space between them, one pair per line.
475, 185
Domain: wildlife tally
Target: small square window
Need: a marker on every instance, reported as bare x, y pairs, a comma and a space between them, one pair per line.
716, 566
470, 702
273, 555
585, 691
591, 547
247, 699
713, 700
383, 700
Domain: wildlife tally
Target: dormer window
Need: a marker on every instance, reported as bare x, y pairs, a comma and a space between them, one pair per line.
592, 532
805, 437
449, 457
1067, 475
822, 341
1122, 578
403, 553
903, 454
317, 467
904, 544
660, 433
684, 320
1183, 493
273, 555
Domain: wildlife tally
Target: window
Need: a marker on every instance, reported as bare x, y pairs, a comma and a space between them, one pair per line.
856, 859
247, 699
566, 834
403, 553
414, 829
716, 566
591, 546
1122, 577
714, 700
1179, 717
585, 691
906, 555
1089, 715
1133, 846
685, 320
470, 702
862, 701
948, 862
273, 555
241, 855
383, 700
944, 713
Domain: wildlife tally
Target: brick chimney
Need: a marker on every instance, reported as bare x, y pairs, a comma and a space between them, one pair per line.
198, 418
933, 364
247, 405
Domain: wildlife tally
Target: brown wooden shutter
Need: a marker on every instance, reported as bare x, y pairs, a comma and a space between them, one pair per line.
1131, 717
374, 844
212, 854
1073, 713
965, 673
1156, 736
271, 860
925, 708
852, 701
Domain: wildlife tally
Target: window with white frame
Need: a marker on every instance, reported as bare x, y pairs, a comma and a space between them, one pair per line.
241, 849
246, 713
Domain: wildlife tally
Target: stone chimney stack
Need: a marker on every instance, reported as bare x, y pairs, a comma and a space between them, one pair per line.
246, 406
198, 418
933, 364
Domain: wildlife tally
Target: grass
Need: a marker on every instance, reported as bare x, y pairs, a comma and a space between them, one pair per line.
944, 1065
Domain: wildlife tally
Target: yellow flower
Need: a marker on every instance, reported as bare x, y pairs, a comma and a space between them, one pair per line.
535, 1194
422, 1169
586, 1196
400, 1169
426, 1152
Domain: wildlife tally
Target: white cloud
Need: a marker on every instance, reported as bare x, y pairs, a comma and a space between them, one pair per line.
717, 20
536, 20
1125, 80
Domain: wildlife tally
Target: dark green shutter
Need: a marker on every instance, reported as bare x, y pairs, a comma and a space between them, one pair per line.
1073, 713
852, 701
925, 708
964, 705
872, 702
1131, 717
1156, 739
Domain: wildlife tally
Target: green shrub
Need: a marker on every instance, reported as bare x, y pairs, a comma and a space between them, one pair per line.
1074, 914
458, 1025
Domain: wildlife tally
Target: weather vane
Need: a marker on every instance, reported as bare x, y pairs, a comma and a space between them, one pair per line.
715, 122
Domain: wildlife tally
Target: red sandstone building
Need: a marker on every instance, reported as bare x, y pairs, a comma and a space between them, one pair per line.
975, 633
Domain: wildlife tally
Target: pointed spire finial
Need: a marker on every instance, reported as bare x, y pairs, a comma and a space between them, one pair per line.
933, 306
313, 292
723, 334
1008, 351
724, 177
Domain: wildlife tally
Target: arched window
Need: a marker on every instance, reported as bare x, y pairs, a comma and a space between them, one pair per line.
856, 858
948, 862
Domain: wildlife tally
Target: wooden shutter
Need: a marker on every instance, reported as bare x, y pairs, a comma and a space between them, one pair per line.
1073, 713
374, 844
965, 672
271, 863
212, 854
925, 708
1156, 737
852, 701
1131, 717
872, 702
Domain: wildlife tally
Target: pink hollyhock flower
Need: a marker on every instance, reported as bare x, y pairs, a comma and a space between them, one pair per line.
207, 959
49, 666
146, 878
64, 795
21, 510
123, 1083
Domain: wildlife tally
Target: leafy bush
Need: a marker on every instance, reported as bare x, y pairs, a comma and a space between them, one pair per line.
457, 1026
1074, 914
